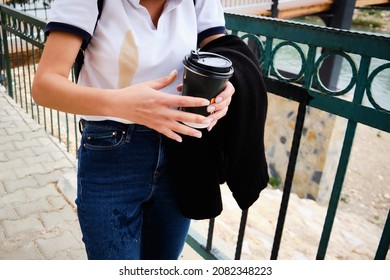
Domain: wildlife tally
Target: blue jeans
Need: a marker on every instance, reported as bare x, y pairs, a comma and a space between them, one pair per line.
125, 200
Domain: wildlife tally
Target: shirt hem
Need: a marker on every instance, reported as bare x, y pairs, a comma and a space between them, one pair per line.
210, 32
60, 26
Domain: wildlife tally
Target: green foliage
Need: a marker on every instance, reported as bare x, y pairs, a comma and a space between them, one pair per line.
345, 199
367, 23
274, 182
374, 12
370, 18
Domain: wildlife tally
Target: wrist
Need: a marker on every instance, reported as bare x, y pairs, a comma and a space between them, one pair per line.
109, 102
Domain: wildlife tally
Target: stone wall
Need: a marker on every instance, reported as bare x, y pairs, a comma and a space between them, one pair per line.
314, 147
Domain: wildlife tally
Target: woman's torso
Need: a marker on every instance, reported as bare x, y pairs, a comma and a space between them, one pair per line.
128, 48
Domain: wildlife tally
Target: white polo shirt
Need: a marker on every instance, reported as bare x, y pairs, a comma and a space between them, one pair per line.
126, 47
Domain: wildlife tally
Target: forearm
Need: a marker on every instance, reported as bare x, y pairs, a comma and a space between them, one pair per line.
53, 91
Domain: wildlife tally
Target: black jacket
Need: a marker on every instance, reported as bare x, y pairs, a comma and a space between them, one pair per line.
233, 152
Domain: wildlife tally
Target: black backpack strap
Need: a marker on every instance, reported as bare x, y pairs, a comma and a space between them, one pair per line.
100, 9
79, 61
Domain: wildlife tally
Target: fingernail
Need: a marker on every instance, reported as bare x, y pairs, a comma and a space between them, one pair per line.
179, 140
207, 121
210, 109
205, 103
218, 99
173, 72
198, 134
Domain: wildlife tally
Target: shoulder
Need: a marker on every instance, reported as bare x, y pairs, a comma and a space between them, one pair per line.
80, 15
210, 19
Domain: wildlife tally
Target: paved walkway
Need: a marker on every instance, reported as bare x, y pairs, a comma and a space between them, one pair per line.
37, 213
38, 217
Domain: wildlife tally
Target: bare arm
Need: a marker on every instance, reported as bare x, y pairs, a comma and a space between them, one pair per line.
209, 39
142, 103
51, 86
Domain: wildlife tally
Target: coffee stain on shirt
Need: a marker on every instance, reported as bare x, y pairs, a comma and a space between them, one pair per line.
128, 60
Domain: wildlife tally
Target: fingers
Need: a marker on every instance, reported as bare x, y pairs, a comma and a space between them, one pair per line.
222, 100
176, 100
158, 110
183, 101
176, 130
162, 82
217, 115
173, 126
161, 114
219, 108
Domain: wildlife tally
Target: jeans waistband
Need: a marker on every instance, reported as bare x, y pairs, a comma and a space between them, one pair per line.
109, 124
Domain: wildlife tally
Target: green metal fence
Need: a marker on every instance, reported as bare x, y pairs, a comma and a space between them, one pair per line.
23, 40
315, 45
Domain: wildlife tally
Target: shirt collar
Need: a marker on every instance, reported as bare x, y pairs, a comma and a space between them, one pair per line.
169, 3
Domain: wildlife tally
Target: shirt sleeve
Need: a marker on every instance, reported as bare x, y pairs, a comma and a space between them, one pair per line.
74, 16
210, 17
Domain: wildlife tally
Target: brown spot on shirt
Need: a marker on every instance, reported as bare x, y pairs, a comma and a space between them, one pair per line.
128, 60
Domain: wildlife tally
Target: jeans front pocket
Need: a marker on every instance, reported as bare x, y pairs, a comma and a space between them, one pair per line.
99, 139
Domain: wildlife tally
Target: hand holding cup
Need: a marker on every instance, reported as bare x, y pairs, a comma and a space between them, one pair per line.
205, 75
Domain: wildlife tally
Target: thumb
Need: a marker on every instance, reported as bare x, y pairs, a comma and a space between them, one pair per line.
160, 83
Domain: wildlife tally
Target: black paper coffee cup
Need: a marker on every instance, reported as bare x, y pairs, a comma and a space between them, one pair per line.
205, 75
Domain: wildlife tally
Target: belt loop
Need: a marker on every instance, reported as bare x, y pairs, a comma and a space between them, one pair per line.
129, 132
81, 125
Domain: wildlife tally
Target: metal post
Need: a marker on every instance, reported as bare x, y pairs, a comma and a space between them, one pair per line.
384, 243
6, 63
274, 8
241, 233
341, 17
1, 59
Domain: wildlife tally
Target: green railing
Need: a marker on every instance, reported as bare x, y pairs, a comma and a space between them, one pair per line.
22, 43
314, 45
23, 40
